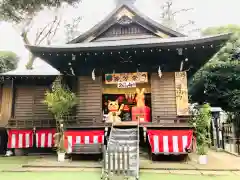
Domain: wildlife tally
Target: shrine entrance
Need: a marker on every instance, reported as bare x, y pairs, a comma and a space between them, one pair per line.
127, 96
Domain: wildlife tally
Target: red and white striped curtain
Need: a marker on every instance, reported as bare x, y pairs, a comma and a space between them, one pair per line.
170, 141
73, 137
45, 138
20, 138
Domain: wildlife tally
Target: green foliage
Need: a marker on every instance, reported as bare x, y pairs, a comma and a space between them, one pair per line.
18, 10
60, 100
231, 28
8, 61
201, 123
218, 81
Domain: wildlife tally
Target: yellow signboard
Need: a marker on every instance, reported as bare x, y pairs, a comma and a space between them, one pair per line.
181, 93
138, 77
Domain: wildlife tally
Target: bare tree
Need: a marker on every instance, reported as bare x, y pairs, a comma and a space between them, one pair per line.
72, 29
168, 16
44, 34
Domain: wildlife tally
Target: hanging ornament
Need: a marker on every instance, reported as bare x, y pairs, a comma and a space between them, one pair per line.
73, 57
72, 71
93, 74
181, 66
180, 51
159, 72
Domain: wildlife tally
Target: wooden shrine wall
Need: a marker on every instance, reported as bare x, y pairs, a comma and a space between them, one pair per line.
39, 108
29, 103
6, 107
89, 94
24, 99
163, 95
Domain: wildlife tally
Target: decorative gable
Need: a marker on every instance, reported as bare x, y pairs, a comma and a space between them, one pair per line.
125, 28
125, 22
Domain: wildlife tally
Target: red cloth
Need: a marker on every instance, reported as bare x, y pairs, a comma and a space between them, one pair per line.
141, 112
82, 137
20, 138
45, 138
170, 141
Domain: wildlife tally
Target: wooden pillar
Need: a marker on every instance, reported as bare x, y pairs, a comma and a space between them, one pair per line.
7, 103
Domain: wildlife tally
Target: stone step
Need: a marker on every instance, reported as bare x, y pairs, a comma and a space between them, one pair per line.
132, 165
124, 130
131, 149
123, 142
124, 138
120, 137
131, 156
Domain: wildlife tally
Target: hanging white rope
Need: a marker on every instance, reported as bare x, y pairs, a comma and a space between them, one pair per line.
159, 72
72, 71
93, 74
181, 66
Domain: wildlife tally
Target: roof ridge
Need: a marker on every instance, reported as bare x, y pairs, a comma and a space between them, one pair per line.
110, 16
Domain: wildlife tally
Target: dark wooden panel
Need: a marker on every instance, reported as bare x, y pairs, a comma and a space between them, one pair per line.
163, 95
24, 102
89, 94
40, 109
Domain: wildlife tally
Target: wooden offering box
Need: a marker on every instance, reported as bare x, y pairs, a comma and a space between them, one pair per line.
141, 113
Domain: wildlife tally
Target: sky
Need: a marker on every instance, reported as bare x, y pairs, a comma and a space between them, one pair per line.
205, 13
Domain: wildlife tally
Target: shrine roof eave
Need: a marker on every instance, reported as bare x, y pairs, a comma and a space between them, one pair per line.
131, 43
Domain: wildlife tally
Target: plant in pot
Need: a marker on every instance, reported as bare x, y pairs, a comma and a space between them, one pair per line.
60, 101
201, 123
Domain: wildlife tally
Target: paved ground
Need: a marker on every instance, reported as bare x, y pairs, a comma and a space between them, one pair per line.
219, 163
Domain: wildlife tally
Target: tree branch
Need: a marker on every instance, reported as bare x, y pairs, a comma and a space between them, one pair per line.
38, 35
181, 10
53, 33
48, 32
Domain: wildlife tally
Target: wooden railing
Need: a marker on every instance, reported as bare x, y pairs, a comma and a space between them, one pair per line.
91, 122
30, 122
116, 162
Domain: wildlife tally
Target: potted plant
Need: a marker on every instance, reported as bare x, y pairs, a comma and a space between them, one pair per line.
60, 100
201, 123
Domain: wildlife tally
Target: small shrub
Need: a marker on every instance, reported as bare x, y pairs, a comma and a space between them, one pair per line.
201, 123
60, 100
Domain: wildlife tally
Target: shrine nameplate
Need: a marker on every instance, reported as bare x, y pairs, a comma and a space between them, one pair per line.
181, 93
127, 84
138, 77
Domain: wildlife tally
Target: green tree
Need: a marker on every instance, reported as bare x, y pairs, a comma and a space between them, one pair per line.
8, 61
218, 81
19, 10
60, 100
201, 125
22, 14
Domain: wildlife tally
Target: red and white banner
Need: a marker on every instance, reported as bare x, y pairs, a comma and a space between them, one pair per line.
73, 137
170, 141
20, 138
45, 138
